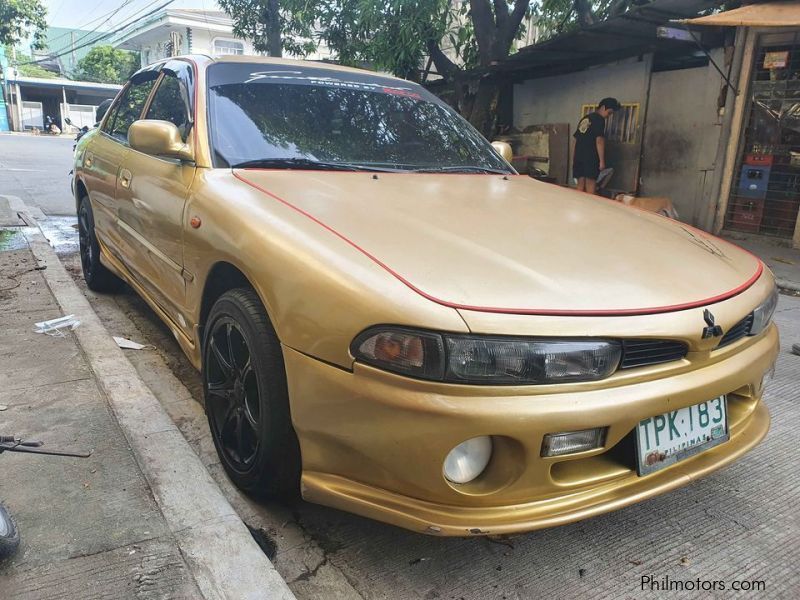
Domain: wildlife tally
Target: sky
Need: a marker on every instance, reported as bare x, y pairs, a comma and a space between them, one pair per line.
88, 14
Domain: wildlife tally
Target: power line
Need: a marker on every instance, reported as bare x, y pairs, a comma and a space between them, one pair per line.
81, 27
103, 22
132, 19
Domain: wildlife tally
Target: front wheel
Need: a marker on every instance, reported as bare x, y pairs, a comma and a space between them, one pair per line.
9, 534
98, 278
246, 396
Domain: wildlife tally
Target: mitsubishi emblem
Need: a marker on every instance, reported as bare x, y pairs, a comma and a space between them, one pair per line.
711, 330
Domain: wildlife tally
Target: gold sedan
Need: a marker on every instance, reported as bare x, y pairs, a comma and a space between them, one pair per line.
390, 321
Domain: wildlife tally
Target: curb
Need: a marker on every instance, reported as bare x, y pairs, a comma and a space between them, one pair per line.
220, 553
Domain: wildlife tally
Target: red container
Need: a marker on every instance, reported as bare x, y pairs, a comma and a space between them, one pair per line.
747, 214
760, 160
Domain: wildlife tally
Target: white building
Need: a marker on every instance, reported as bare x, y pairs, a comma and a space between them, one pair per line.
181, 31
189, 31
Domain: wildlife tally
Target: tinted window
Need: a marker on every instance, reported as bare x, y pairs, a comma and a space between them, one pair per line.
267, 112
129, 109
169, 104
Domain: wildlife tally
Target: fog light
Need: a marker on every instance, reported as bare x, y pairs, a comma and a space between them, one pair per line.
570, 442
468, 460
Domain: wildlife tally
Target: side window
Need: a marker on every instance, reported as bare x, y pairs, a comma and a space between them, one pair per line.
129, 109
169, 104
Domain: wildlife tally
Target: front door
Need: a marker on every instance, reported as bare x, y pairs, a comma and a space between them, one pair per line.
103, 157
151, 196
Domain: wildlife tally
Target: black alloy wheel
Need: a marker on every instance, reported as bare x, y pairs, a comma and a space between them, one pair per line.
98, 278
232, 394
246, 397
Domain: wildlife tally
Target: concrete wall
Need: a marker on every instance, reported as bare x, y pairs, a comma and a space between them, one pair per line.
681, 139
559, 99
681, 134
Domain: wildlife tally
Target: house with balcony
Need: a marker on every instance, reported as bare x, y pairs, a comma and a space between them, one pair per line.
171, 32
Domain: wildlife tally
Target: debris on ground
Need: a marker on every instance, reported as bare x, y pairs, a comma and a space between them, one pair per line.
796, 349
265, 541
415, 561
56, 327
131, 345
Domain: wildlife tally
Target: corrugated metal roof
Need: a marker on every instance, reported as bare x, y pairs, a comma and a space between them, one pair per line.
629, 34
764, 14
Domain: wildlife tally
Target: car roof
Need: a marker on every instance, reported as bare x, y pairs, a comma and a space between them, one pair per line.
270, 60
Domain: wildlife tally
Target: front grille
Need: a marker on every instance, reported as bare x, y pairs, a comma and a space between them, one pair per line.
737, 332
640, 353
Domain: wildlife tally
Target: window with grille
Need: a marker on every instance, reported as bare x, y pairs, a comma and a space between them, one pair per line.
765, 193
228, 47
620, 126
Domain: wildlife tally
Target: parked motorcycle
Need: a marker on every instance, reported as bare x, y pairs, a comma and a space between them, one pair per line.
9, 533
50, 126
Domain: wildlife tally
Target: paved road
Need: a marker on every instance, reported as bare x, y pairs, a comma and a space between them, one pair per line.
35, 168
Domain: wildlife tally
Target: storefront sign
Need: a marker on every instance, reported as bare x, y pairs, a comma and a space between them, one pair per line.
776, 60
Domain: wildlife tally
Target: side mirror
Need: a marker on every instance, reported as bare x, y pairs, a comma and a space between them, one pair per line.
102, 109
158, 138
504, 150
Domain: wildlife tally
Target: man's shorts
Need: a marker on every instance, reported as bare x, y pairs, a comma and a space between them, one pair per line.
586, 168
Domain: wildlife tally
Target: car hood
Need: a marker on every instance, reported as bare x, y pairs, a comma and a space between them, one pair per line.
515, 245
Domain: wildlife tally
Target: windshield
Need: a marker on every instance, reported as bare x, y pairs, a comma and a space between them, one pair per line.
283, 116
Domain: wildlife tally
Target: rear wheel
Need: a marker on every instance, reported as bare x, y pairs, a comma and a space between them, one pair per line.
9, 534
98, 277
247, 401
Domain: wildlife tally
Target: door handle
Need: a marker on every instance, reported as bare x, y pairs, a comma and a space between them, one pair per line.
125, 178
89, 159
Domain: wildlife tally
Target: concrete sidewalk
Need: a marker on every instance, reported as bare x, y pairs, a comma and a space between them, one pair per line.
87, 524
140, 518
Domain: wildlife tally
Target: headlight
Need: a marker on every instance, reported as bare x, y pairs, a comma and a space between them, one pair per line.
486, 360
762, 316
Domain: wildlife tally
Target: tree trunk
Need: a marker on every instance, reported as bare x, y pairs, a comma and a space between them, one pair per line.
274, 41
482, 113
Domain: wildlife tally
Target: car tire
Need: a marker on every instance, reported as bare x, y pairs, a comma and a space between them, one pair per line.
247, 399
9, 534
98, 278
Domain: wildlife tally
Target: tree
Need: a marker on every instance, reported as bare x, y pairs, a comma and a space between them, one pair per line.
274, 26
21, 18
463, 39
106, 64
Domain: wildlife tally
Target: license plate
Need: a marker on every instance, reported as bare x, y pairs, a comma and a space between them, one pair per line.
666, 439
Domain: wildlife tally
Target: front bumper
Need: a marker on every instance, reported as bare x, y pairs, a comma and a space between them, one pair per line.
373, 443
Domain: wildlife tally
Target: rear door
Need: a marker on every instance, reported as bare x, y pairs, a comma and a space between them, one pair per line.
152, 194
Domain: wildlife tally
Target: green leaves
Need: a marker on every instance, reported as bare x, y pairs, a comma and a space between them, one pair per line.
21, 18
275, 26
105, 64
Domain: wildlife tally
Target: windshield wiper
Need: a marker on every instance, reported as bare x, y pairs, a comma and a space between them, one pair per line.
461, 169
305, 163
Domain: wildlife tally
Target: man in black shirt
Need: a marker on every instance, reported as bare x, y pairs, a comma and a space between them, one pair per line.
589, 153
